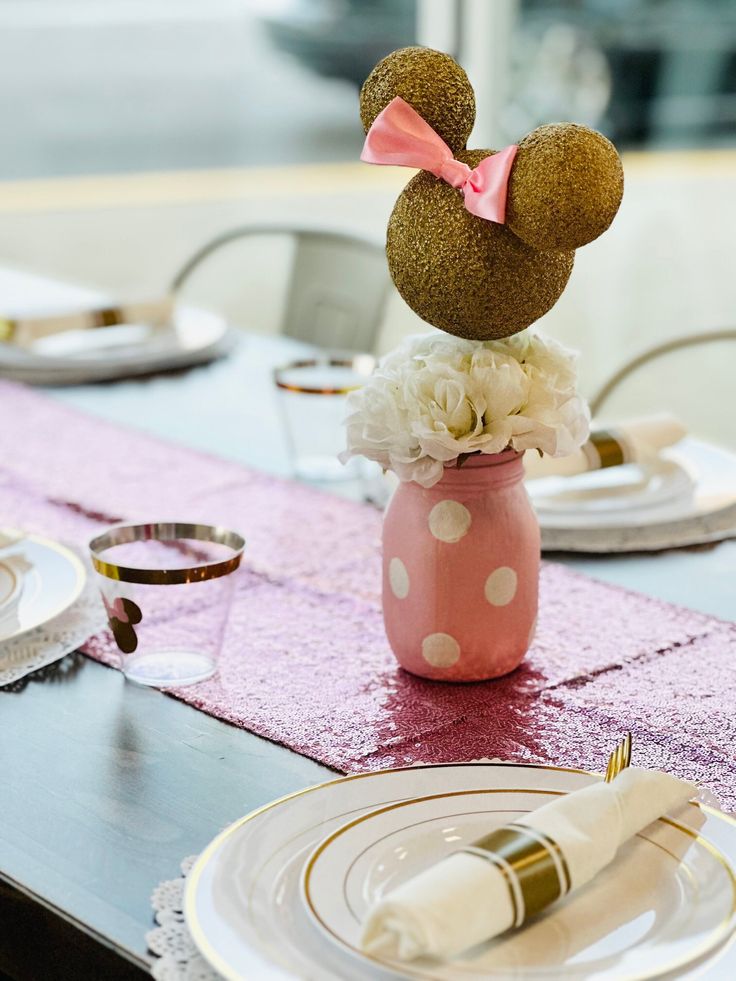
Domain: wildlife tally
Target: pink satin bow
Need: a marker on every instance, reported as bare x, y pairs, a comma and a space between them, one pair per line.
400, 137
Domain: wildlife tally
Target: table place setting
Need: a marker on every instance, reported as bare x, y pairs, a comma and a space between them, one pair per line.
641, 485
454, 871
532, 769
48, 606
59, 342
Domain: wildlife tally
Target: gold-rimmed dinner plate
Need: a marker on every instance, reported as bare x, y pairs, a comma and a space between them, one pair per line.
258, 902
612, 929
41, 579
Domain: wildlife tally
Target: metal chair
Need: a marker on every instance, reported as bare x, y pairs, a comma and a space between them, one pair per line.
336, 288
698, 390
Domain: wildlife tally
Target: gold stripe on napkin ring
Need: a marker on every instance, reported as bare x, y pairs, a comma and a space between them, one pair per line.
532, 865
606, 448
107, 317
563, 872
25, 330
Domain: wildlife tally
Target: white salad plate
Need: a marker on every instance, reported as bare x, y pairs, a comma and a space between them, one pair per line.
101, 354
282, 891
11, 584
39, 579
609, 496
686, 496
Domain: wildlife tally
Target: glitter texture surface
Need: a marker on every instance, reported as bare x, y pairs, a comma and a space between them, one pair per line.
305, 661
430, 81
463, 274
566, 187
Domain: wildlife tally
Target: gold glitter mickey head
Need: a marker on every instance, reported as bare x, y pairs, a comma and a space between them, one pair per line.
467, 275
123, 615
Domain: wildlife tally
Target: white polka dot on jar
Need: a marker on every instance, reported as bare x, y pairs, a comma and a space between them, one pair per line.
500, 586
440, 650
449, 521
398, 578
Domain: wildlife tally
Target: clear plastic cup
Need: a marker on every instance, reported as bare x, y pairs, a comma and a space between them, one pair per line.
312, 395
167, 589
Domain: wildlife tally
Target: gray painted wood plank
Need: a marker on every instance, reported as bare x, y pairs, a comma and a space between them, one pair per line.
108, 786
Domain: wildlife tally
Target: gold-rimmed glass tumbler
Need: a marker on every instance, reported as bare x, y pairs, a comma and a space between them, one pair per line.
167, 589
312, 394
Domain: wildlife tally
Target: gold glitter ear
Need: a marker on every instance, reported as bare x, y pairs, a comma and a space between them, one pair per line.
430, 81
565, 187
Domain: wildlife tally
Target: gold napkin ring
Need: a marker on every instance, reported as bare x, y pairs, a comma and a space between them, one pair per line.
532, 864
606, 448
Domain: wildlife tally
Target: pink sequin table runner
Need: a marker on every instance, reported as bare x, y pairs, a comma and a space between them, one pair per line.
305, 661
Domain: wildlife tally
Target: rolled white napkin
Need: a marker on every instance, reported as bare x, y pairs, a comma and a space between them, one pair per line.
630, 442
23, 330
481, 891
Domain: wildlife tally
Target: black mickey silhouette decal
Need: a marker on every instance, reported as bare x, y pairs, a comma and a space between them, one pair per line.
123, 615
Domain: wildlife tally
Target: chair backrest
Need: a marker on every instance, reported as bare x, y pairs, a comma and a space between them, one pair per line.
335, 291
690, 376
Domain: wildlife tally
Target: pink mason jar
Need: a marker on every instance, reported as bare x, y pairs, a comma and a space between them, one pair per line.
461, 571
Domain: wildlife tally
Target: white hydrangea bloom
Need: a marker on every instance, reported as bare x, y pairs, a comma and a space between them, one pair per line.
437, 397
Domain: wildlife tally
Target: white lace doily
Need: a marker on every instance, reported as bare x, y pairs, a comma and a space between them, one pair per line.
55, 639
177, 956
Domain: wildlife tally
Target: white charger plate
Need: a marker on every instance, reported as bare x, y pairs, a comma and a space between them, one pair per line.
102, 354
48, 579
687, 497
247, 915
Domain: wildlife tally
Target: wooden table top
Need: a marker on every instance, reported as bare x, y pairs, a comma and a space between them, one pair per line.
107, 786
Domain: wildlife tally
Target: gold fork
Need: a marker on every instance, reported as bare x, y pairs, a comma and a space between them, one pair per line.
619, 759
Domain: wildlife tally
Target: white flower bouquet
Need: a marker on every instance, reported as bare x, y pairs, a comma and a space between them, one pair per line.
437, 399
